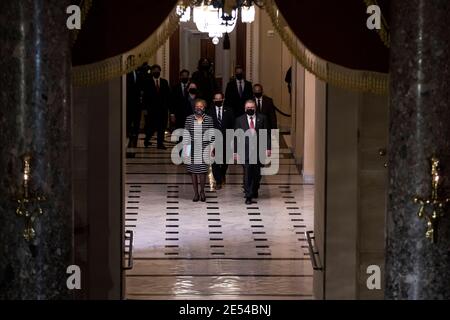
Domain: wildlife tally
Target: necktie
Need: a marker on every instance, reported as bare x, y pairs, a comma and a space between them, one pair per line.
219, 115
259, 104
252, 123
240, 88
183, 89
157, 85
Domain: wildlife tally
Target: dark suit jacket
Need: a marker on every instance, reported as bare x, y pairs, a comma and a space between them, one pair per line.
179, 105
268, 109
261, 123
157, 103
232, 99
227, 118
227, 123
133, 89
206, 84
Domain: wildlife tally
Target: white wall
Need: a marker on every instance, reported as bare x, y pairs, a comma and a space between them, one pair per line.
309, 127
274, 61
350, 191
298, 110
98, 155
342, 193
320, 177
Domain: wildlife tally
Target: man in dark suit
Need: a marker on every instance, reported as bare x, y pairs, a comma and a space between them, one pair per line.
134, 107
178, 112
252, 123
157, 102
264, 105
237, 92
205, 80
223, 119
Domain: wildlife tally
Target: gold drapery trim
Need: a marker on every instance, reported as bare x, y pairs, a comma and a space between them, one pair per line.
85, 6
384, 31
91, 74
358, 80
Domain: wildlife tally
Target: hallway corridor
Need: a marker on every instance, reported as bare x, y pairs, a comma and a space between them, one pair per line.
221, 249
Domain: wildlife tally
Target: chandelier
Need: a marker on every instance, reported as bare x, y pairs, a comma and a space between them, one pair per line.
217, 17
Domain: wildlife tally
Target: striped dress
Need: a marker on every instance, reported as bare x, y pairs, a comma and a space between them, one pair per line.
198, 143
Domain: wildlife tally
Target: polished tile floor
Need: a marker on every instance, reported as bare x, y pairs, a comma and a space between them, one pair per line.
221, 249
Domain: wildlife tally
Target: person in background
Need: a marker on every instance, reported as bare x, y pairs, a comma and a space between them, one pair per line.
288, 79
196, 125
193, 95
134, 107
158, 103
205, 79
264, 105
237, 92
223, 119
179, 110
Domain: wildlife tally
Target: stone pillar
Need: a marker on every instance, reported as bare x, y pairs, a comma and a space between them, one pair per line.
310, 93
226, 69
35, 119
416, 268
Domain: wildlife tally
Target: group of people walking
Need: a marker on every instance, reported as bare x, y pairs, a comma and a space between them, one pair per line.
197, 105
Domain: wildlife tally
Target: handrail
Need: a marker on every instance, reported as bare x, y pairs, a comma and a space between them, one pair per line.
129, 236
312, 253
281, 112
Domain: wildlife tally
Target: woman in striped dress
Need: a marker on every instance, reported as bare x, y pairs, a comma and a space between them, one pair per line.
198, 147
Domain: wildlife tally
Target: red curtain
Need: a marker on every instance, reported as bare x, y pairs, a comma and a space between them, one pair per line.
113, 27
336, 31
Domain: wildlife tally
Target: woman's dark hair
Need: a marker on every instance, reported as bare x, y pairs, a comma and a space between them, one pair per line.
200, 63
219, 92
155, 66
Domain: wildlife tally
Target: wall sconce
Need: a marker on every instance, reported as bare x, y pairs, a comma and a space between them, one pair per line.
28, 203
432, 208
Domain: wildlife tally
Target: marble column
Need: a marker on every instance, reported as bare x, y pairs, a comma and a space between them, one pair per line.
35, 119
416, 268
226, 69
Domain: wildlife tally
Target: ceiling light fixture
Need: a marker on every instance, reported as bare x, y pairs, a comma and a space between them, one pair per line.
217, 17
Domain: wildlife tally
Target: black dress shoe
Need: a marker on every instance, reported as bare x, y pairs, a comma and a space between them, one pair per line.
218, 186
196, 197
248, 200
161, 146
202, 197
147, 143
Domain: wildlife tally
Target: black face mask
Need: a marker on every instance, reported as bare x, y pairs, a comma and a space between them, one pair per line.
218, 103
239, 76
199, 112
258, 94
184, 80
205, 67
156, 75
250, 112
193, 91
